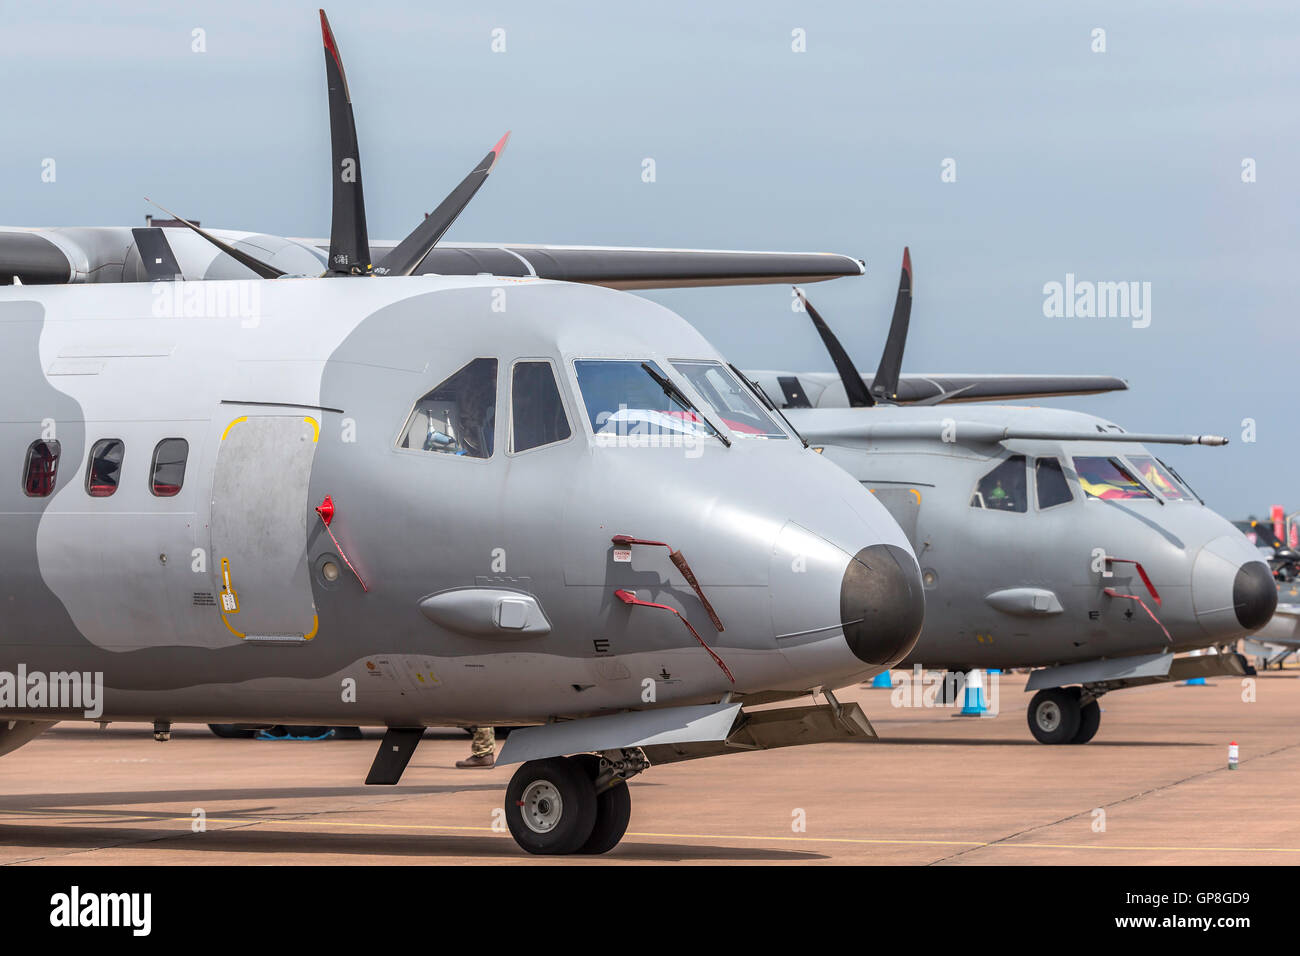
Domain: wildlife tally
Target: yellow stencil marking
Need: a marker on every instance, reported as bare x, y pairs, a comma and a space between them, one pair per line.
315, 428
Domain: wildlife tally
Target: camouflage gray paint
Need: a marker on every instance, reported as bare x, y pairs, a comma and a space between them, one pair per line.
278, 377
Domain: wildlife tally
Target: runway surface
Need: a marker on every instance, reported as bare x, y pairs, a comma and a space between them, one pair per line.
1152, 788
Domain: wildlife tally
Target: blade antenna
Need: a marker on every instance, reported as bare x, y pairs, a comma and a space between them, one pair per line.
410, 253
856, 389
243, 258
349, 243
885, 385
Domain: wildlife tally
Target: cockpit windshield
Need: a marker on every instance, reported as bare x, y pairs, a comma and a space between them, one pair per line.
1157, 476
623, 400
1106, 478
729, 399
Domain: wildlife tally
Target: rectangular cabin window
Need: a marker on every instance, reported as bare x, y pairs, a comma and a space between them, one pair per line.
41, 469
537, 415
105, 468
168, 471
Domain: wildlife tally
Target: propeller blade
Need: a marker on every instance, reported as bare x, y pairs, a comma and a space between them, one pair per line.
257, 265
856, 389
885, 385
349, 243
156, 254
408, 254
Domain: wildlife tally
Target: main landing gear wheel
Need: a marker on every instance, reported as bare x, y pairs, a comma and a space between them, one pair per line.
613, 810
1089, 718
1054, 715
551, 806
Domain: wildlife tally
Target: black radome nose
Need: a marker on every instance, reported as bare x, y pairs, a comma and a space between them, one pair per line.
1254, 595
882, 604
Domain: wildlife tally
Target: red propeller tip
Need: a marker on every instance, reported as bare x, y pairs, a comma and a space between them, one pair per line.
328, 36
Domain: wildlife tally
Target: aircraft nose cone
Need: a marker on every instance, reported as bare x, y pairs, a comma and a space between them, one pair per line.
882, 604
1233, 591
1254, 595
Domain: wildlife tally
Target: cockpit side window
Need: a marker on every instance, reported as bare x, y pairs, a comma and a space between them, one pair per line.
1107, 478
1157, 476
742, 415
459, 416
1053, 489
536, 411
1003, 488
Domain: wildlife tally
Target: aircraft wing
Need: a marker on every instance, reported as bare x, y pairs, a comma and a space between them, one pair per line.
824, 389
620, 267
110, 254
830, 428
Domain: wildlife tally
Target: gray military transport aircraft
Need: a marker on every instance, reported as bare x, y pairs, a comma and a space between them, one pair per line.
1048, 539
387, 501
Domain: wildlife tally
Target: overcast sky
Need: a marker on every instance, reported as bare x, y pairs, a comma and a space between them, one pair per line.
1116, 166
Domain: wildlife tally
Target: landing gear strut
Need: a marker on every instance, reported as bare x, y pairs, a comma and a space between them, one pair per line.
1064, 715
574, 804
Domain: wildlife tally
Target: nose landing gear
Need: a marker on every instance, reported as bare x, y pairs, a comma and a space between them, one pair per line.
1064, 715
576, 804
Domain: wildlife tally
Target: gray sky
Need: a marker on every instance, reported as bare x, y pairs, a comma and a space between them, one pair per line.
1117, 166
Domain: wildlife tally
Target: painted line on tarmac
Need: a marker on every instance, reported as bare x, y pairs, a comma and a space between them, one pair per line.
861, 841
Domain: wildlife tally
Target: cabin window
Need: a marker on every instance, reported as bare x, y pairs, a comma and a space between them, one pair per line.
1053, 489
1106, 478
1157, 476
625, 402
41, 469
168, 471
734, 404
536, 411
459, 416
1004, 488
105, 468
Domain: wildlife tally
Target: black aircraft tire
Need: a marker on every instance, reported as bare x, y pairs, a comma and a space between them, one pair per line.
551, 806
232, 731
1089, 720
613, 811
1054, 716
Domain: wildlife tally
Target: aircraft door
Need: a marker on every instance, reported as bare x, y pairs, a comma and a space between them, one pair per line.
260, 516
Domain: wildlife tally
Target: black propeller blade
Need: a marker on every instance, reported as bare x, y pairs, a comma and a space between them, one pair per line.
856, 389
406, 256
349, 243
257, 265
349, 253
885, 385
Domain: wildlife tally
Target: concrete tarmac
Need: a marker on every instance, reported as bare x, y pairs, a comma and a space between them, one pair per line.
1152, 788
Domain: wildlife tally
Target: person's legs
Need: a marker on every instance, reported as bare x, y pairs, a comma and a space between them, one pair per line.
481, 750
